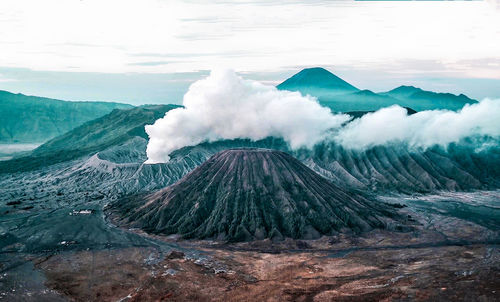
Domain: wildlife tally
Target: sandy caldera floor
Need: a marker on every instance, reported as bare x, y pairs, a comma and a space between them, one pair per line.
446, 273
451, 254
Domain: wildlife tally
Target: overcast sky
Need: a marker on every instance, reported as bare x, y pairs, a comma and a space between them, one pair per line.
149, 51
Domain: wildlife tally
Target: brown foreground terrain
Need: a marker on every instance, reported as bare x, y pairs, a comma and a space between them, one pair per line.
446, 273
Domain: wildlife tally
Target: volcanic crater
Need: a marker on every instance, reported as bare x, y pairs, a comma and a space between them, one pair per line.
252, 194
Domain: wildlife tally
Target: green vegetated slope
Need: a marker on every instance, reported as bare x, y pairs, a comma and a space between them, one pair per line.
340, 96
31, 119
112, 129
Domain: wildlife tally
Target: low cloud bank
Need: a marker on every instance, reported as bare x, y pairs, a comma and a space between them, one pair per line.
225, 106
423, 129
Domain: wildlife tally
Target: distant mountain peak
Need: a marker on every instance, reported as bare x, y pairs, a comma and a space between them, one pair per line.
420, 99
315, 71
366, 92
316, 78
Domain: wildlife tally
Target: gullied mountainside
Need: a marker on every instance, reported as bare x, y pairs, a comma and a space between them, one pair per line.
113, 129
340, 96
399, 169
245, 194
116, 127
35, 119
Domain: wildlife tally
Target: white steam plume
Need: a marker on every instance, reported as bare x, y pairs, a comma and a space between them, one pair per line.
224, 106
423, 129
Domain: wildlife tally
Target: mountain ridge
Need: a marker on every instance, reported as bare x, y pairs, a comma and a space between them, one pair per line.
340, 96
32, 119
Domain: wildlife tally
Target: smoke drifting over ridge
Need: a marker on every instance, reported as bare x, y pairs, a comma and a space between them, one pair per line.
423, 129
225, 106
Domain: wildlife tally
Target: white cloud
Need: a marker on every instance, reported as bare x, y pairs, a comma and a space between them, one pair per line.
423, 129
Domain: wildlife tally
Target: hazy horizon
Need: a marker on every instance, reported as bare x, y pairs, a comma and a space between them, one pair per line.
141, 89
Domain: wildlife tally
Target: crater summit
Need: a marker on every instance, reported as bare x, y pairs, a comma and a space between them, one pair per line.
247, 194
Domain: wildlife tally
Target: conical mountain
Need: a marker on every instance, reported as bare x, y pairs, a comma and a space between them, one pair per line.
246, 194
316, 81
